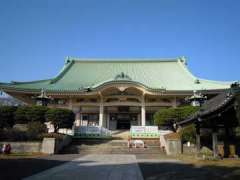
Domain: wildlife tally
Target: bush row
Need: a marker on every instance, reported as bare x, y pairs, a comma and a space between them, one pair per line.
35, 132
60, 118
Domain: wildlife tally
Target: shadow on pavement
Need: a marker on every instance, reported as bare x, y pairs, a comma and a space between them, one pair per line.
13, 169
180, 171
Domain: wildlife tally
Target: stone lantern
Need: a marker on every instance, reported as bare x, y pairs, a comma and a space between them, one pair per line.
197, 99
42, 99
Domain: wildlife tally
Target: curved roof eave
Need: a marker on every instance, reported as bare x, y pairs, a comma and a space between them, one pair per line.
53, 84
100, 87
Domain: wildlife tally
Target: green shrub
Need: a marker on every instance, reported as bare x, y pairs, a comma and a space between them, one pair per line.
7, 116
26, 114
206, 151
35, 129
13, 135
36, 113
188, 133
166, 117
60, 118
34, 133
21, 115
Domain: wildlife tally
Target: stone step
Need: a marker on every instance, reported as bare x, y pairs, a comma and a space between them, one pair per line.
113, 142
112, 152
83, 146
96, 146
106, 149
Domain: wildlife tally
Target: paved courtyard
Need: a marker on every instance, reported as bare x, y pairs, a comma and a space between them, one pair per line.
115, 167
95, 167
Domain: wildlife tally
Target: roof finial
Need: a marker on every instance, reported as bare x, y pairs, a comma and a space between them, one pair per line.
67, 60
183, 59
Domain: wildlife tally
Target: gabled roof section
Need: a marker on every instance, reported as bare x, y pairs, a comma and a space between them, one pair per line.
168, 74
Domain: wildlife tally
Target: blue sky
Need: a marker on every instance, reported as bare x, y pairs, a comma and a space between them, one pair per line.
36, 36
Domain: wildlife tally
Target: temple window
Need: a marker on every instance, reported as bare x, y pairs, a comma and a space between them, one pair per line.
132, 100
80, 100
166, 100
152, 100
91, 119
93, 100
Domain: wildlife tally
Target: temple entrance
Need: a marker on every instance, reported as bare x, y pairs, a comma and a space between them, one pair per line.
123, 120
123, 117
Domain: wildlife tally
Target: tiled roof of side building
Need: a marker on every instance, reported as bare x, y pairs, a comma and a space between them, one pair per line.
213, 106
169, 74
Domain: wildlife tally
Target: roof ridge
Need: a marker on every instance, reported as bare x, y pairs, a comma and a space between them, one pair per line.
65, 68
124, 60
184, 66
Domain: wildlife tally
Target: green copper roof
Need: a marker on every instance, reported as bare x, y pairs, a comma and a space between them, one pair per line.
77, 74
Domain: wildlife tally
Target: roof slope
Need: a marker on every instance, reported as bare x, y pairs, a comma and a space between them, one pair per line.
169, 74
213, 106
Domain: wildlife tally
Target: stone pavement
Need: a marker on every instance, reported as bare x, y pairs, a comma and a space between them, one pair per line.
94, 167
114, 167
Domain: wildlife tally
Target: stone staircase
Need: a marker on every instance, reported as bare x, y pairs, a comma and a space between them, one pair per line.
120, 134
114, 146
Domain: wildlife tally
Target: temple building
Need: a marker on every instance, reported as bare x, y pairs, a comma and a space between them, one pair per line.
116, 94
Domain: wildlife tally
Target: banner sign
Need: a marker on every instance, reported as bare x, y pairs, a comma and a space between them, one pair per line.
144, 132
137, 129
91, 132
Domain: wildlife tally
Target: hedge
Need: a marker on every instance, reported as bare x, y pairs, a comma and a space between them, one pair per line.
166, 117
21, 115
60, 118
36, 113
7, 116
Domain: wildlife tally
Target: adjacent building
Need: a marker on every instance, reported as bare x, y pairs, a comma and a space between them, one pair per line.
117, 93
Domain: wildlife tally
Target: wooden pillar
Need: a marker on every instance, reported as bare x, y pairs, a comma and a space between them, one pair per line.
198, 139
76, 111
70, 103
101, 111
77, 118
174, 102
215, 142
226, 141
143, 112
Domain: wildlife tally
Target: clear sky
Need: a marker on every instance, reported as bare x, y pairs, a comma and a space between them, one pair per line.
36, 35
